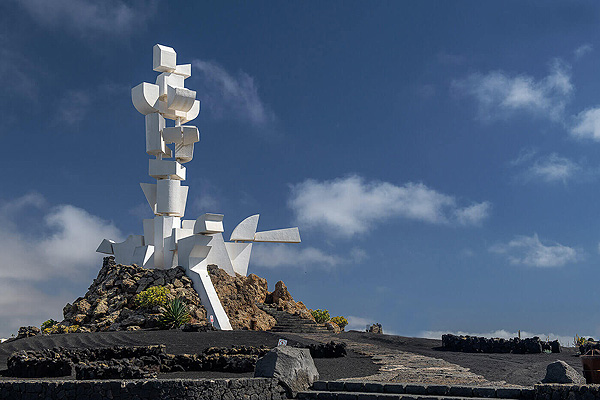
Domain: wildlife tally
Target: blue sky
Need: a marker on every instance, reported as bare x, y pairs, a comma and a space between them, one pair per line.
440, 158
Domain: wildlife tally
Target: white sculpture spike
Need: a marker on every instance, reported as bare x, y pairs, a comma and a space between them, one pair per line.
168, 240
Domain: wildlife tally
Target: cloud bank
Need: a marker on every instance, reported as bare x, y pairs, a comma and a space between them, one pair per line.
530, 251
92, 17
58, 244
286, 255
230, 96
499, 94
351, 205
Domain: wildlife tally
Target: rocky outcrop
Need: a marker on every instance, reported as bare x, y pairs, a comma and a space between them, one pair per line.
475, 344
240, 294
28, 331
375, 328
109, 303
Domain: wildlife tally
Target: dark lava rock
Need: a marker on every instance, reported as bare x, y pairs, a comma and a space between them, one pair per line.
327, 350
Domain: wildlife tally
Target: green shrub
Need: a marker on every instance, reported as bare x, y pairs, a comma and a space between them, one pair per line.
321, 316
340, 321
58, 328
48, 324
175, 314
152, 297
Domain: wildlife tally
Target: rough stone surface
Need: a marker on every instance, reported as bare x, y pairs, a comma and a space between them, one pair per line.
294, 368
333, 327
164, 389
561, 372
109, 304
476, 344
124, 362
31, 364
327, 350
566, 392
240, 294
375, 328
28, 331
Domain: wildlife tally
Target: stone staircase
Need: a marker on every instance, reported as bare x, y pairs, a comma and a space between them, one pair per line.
340, 390
287, 322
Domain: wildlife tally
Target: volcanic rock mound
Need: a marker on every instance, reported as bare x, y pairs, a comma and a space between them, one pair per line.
109, 304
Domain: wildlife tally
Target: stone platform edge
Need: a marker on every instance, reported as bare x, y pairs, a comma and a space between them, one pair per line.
168, 389
555, 391
426, 389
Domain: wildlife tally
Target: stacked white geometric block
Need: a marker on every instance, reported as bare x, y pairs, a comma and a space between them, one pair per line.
168, 239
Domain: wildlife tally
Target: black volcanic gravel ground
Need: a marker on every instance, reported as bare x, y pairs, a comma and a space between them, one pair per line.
519, 369
177, 342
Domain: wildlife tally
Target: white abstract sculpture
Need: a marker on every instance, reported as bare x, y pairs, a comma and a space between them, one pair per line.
168, 240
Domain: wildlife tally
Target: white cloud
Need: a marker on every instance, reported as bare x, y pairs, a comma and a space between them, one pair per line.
473, 214
503, 334
232, 97
62, 244
525, 250
40, 244
583, 50
92, 17
552, 168
285, 255
350, 205
499, 94
587, 124
22, 304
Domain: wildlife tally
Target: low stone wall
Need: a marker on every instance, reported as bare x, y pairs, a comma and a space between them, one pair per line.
476, 344
167, 389
566, 392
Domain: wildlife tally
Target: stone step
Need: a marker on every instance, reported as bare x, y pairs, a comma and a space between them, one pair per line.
287, 322
322, 395
423, 390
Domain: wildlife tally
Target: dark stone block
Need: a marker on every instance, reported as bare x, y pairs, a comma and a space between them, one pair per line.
415, 389
484, 392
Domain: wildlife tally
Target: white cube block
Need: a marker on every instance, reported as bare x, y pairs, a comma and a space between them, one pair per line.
166, 79
171, 197
191, 134
173, 134
164, 59
155, 144
184, 70
184, 152
163, 169
188, 224
171, 114
208, 224
180, 99
163, 229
